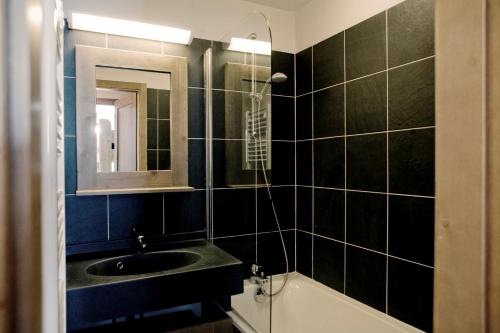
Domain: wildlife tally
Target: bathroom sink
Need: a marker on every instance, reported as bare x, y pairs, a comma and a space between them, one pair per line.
101, 286
143, 263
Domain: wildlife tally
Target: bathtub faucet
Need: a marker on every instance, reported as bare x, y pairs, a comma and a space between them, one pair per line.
259, 279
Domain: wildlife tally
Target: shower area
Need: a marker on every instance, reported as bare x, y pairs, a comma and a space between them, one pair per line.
250, 149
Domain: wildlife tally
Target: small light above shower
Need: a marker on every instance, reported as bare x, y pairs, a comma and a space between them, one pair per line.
250, 46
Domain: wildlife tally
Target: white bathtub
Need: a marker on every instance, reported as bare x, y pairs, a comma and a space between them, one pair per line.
306, 306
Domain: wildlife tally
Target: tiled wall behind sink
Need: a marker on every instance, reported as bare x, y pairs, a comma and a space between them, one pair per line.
96, 223
365, 162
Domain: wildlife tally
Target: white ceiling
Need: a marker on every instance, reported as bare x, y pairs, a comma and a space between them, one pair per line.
282, 4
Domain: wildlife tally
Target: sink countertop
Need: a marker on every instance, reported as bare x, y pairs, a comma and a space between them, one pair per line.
211, 257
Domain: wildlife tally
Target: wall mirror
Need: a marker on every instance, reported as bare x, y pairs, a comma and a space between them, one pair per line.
131, 122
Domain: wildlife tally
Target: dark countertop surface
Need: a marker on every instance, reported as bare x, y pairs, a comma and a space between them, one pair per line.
211, 257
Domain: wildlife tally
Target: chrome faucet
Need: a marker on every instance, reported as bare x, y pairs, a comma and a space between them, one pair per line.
259, 279
138, 239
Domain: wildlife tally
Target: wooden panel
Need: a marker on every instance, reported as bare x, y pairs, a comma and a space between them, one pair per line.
459, 301
493, 100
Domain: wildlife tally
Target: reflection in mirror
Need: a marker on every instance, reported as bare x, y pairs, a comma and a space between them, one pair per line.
132, 120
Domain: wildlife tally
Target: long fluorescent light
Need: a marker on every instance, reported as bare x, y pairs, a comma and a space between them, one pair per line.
129, 28
250, 46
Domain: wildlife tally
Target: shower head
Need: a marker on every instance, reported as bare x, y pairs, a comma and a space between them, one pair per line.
278, 77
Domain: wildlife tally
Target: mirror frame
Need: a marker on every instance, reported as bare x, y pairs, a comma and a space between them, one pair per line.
90, 182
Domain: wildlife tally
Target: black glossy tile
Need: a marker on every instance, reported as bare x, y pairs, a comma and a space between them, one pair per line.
284, 63
283, 118
329, 162
411, 162
233, 212
329, 112
196, 118
74, 37
284, 203
365, 277
329, 213
304, 208
163, 104
410, 293
163, 134
366, 104
152, 156
283, 163
242, 248
152, 134
152, 103
304, 71
194, 54
185, 212
304, 162
304, 253
328, 61
329, 263
145, 211
411, 228
196, 163
366, 162
411, 95
86, 219
366, 220
220, 58
410, 31
69, 106
133, 44
270, 254
70, 165
365, 47
164, 162
304, 117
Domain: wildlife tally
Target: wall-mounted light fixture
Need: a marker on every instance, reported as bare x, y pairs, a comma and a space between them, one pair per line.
250, 46
129, 28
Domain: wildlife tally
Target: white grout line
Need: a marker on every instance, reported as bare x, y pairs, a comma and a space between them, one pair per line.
345, 170
387, 165
312, 163
373, 192
106, 37
69, 77
365, 248
254, 234
370, 133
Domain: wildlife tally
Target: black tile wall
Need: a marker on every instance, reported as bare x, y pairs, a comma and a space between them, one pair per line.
365, 199
329, 213
365, 47
328, 62
366, 276
270, 253
304, 253
366, 162
304, 117
283, 118
411, 31
366, 220
366, 104
407, 281
242, 247
328, 263
303, 61
284, 63
411, 95
329, 112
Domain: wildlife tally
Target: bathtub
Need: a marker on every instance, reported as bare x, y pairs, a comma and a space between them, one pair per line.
306, 306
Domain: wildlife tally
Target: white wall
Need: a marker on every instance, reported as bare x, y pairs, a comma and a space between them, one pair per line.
208, 19
321, 19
